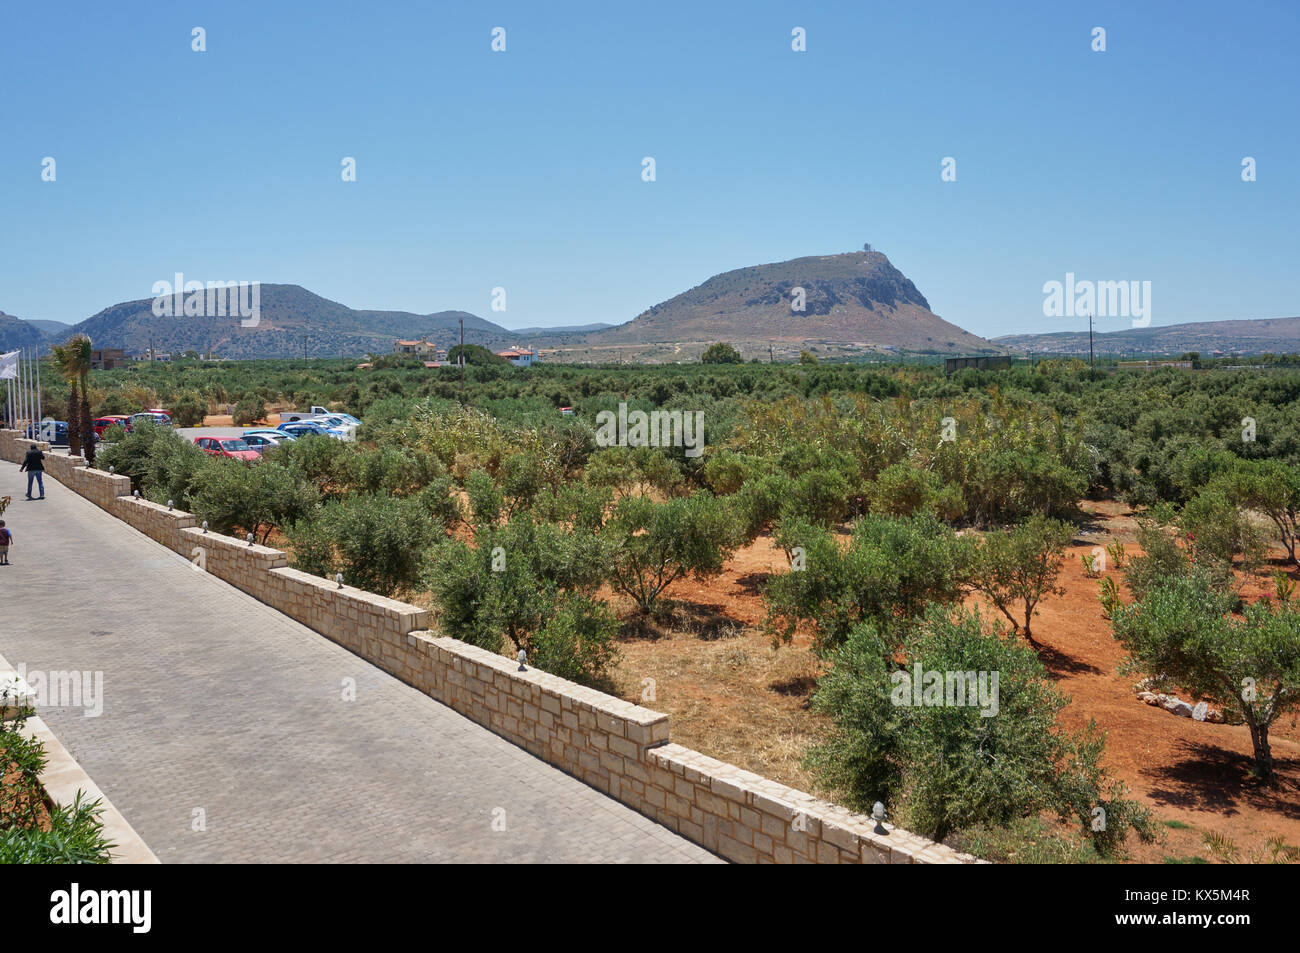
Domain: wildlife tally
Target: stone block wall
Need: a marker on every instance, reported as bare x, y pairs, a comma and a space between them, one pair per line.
615, 746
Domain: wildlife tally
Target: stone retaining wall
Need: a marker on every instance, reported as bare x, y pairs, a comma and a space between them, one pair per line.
615, 746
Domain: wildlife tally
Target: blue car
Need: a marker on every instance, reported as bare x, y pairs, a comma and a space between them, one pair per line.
305, 428
53, 432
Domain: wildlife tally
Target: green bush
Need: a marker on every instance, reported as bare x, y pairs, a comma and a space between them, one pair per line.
940, 767
819, 497
379, 542
904, 490
250, 410
1016, 568
652, 545
1183, 628
533, 584
721, 353
231, 495
891, 570
485, 500
188, 409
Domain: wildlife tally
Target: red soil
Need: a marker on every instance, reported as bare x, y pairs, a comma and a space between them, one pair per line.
1183, 770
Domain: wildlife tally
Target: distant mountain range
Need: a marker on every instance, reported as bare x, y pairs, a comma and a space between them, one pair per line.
16, 333
851, 303
292, 321
1243, 336
844, 305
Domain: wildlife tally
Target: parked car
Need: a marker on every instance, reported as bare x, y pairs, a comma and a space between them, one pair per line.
294, 416
338, 422
307, 428
262, 442
161, 418
111, 420
269, 432
53, 432
233, 448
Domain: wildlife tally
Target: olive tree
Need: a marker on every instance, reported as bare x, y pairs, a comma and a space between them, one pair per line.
1015, 568
942, 762
652, 545
1184, 630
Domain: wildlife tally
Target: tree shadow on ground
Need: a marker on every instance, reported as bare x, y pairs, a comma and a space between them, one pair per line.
753, 582
708, 622
796, 686
1211, 778
1060, 664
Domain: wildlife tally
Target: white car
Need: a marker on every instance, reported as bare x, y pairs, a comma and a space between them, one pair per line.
342, 423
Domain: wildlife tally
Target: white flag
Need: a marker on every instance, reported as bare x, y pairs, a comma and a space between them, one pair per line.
9, 366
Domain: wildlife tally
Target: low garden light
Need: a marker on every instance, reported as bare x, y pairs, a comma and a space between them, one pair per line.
338, 578
878, 815
137, 494
249, 537
205, 526
523, 659
170, 504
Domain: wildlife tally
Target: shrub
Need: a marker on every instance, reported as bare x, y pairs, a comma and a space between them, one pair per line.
819, 497
1218, 531
188, 409
721, 353
485, 500
379, 542
890, 571
941, 768
532, 583
67, 834
1183, 628
577, 641
1016, 568
248, 411
652, 545
904, 490
259, 499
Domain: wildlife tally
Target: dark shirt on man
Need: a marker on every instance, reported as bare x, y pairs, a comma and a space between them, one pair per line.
33, 460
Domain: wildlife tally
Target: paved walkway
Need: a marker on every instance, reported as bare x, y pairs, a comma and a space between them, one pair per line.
218, 706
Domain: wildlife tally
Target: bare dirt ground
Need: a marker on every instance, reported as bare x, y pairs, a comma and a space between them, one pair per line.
225, 420
732, 696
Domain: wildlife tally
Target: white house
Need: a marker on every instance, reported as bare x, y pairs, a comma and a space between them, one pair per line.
518, 356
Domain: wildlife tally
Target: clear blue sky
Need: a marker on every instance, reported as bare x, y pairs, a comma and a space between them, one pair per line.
522, 169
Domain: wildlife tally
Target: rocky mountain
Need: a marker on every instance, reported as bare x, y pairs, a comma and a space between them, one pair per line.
16, 333
50, 328
835, 305
1242, 336
292, 321
857, 298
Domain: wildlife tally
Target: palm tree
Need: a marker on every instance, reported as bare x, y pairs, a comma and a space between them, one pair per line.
73, 358
63, 358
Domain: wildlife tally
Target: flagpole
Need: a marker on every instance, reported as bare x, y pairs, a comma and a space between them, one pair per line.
22, 392
31, 406
38, 389
30, 419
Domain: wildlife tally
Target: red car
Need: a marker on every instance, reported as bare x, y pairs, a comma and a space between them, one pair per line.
110, 420
232, 447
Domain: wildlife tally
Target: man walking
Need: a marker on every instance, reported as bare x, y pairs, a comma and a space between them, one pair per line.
34, 464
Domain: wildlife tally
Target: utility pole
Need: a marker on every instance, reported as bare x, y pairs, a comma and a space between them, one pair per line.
462, 359
1091, 361
304, 347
